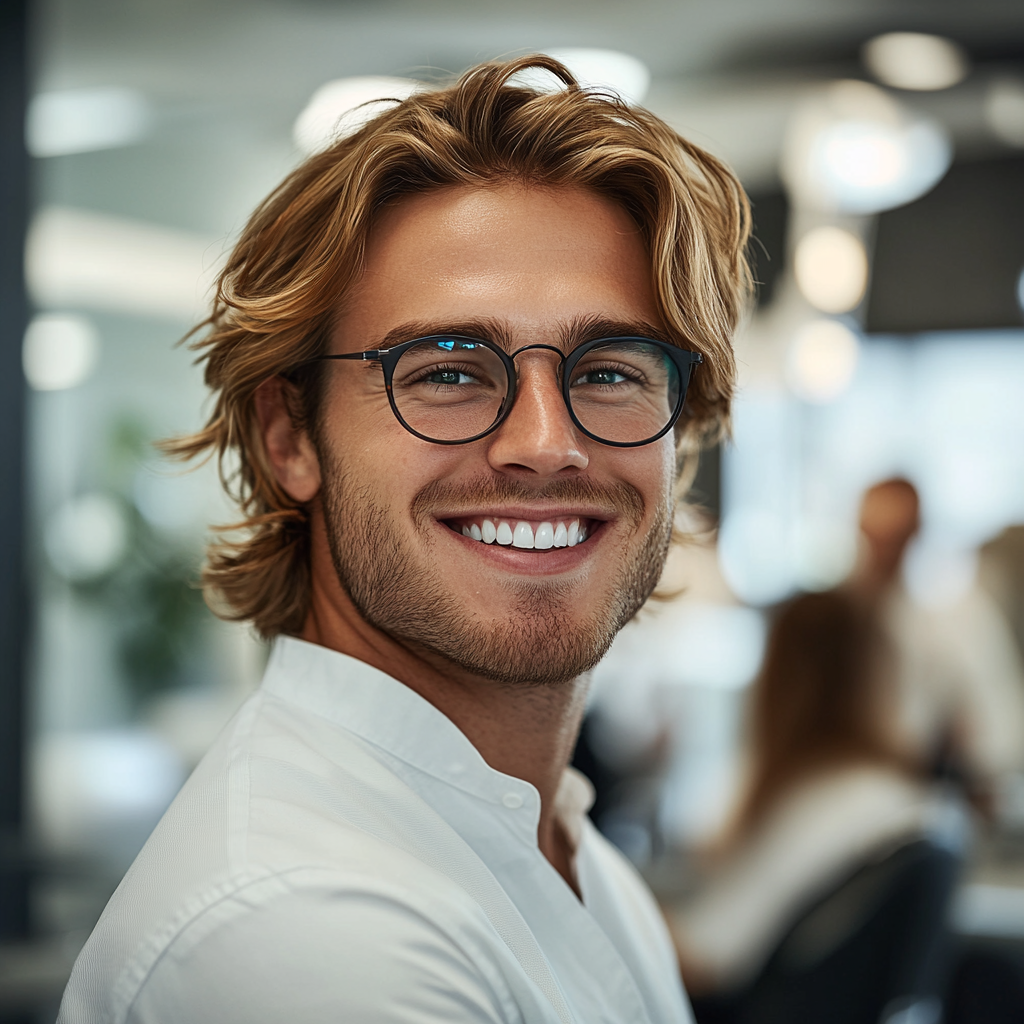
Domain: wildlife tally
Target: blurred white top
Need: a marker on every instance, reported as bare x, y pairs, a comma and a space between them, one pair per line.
816, 835
343, 853
958, 670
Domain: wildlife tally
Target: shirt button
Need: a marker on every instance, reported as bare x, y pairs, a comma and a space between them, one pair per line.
513, 801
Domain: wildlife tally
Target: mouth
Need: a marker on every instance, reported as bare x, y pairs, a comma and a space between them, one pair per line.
526, 534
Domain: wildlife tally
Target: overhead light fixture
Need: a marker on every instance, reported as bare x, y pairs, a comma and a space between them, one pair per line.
852, 148
60, 351
831, 269
915, 60
86, 260
822, 360
87, 536
81, 120
343, 106
1004, 110
621, 73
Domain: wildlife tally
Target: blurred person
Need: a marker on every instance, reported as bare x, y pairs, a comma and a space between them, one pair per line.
449, 356
1001, 573
828, 788
960, 706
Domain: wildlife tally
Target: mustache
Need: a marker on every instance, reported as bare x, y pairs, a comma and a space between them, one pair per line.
457, 499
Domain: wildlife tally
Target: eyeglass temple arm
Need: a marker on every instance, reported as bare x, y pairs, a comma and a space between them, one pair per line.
373, 353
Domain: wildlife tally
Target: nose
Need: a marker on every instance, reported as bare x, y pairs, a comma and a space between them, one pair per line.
538, 436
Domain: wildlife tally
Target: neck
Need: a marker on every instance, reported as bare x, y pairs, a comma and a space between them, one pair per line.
523, 730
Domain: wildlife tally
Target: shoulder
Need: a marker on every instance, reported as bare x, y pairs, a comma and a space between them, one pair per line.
325, 951
311, 945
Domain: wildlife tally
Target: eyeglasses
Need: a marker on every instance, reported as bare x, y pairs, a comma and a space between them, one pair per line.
448, 389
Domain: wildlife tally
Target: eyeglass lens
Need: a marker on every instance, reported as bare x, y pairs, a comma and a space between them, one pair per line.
623, 391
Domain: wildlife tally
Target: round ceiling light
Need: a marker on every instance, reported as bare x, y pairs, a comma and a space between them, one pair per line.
851, 148
1004, 110
914, 60
831, 269
822, 360
60, 351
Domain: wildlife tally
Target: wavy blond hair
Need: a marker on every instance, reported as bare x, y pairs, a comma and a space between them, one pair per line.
303, 248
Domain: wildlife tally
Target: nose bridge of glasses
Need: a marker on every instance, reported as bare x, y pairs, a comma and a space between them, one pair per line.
553, 364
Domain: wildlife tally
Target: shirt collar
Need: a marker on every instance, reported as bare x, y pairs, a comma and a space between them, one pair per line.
391, 716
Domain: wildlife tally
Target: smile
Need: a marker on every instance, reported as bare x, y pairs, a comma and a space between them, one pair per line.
521, 533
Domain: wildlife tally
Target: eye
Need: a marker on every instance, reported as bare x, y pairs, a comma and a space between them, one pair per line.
606, 376
447, 377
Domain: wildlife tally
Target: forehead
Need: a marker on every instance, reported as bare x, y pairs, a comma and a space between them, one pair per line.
529, 256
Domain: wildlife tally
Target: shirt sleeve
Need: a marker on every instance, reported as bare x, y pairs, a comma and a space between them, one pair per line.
314, 958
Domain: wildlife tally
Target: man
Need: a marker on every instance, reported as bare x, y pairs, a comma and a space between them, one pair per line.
450, 355
959, 685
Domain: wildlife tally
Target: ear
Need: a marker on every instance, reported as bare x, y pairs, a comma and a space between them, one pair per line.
289, 450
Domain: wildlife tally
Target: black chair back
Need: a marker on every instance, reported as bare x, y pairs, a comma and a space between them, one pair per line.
874, 949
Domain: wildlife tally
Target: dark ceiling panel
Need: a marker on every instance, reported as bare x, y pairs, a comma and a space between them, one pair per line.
952, 260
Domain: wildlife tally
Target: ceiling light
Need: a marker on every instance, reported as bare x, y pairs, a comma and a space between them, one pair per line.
831, 269
852, 148
613, 70
81, 120
87, 536
59, 351
345, 105
88, 260
913, 60
1004, 110
822, 360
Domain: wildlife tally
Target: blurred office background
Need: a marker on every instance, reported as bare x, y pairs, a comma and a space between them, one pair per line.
887, 175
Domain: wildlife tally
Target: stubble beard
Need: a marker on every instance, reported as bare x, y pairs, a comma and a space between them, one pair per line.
543, 641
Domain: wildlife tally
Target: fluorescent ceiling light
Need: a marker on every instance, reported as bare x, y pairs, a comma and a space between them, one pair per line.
85, 260
913, 60
343, 106
613, 70
81, 120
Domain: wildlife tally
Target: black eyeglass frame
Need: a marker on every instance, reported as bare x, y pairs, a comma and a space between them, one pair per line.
683, 359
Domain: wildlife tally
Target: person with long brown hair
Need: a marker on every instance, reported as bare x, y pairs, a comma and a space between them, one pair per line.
461, 361
827, 785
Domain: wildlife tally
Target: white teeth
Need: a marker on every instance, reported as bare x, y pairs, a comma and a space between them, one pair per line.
547, 535
523, 537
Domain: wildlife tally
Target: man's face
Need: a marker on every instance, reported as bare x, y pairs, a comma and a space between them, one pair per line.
518, 266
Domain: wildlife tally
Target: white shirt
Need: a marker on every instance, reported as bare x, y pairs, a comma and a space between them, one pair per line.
344, 854
958, 667
819, 831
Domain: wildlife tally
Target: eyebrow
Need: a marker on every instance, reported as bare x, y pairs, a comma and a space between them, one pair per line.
572, 333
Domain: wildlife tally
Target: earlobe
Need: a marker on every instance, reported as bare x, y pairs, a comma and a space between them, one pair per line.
289, 450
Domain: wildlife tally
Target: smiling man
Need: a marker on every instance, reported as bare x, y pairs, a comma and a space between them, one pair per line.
457, 357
